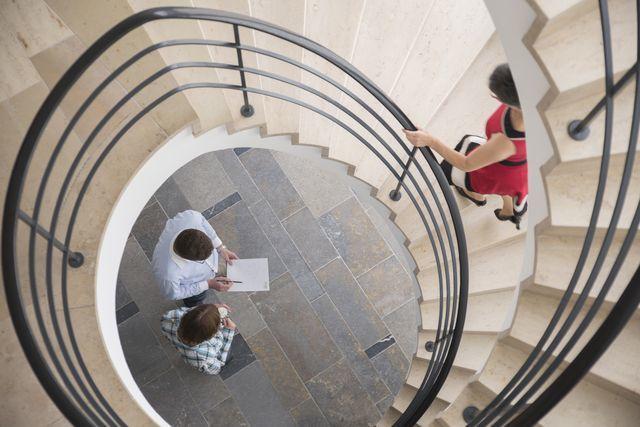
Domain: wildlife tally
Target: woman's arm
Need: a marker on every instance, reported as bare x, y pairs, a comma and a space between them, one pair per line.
496, 149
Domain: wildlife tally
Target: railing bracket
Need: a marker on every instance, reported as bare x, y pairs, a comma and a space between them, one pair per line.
469, 413
575, 132
247, 110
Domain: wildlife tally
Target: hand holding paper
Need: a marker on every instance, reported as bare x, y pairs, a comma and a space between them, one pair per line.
251, 274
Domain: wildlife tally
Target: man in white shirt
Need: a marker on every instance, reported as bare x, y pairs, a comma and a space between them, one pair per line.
184, 261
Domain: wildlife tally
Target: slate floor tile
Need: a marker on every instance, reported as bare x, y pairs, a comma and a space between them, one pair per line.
284, 378
403, 324
148, 228
126, 312
307, 414
135, 273
203, 182
272, 182
288, 252
171, 399
257, 399
387, 285
354, 236
240, 356
384, 405
243, 312
316, 249
205, 390
341, 398
380, 346
228, 201
320, 190
352, 303
296, 327
350, 348
239, 176
122, 296
226, 414
393, 367
240, 232
171, 198
142, 351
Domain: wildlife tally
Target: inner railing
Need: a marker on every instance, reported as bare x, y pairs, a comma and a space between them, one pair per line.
57, 167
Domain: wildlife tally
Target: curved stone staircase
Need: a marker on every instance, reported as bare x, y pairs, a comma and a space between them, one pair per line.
431, 58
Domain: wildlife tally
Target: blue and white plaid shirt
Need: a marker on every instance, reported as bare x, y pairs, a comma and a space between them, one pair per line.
209, 356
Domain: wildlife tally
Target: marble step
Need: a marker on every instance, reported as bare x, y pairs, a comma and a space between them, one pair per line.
617, 368
472, 353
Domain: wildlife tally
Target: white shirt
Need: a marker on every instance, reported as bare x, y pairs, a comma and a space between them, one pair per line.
181, 278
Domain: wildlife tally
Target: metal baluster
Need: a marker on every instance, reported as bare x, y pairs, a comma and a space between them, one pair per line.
395, 195
75, 259
247, 109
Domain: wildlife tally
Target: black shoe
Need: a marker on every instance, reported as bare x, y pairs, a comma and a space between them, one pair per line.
513, 218
466, 196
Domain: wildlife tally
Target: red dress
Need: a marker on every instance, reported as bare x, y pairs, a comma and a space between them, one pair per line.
510, 176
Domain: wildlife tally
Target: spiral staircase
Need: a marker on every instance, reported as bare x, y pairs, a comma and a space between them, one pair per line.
480, 321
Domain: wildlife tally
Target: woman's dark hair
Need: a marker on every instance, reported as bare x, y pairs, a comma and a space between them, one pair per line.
502, 85
199, 324
193, 245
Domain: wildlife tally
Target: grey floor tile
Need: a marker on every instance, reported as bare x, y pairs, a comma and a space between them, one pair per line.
239, 176
296, 327
243, 312
205, 390
135, 273
126, 311
240, 232
228, 201
203, 182
171, 198
350, 348
341, 398
387, 285
272, 182
171, 399
384, 405
148, 228
320, 190
393, 367
257, 399
274, 362
142, 351
240, 150
122, 295
354, 236
240, 356
226, 414
288, 252
403, 324
303, 228
352, 303
307, 414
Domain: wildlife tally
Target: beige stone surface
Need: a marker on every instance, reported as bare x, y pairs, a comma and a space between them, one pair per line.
472, 353
17, 73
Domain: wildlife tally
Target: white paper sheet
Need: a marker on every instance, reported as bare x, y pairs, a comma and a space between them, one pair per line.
253, 273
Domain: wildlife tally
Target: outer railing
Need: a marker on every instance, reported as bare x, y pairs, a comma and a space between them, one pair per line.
51, 343
515, 404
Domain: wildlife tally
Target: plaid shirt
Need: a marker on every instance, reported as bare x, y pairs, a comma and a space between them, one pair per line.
209, 356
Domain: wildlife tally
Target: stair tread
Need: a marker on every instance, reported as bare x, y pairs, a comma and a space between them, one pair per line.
472, 353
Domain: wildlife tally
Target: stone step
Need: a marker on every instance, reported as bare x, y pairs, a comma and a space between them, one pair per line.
472, 353
488, 270
571, 191
557, 256
617, 367
485, 312
456, 380
476, 394
582, 33
554, 9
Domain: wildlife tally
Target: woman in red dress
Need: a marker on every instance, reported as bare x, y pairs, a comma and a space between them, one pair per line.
497, 165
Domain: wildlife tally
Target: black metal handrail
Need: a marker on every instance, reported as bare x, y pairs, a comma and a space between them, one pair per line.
63, 372
533, 374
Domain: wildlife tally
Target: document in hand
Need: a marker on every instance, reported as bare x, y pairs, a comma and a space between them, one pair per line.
253, 273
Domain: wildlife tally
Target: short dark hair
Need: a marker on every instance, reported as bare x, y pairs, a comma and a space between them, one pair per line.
502, 85
199, 324
193, 245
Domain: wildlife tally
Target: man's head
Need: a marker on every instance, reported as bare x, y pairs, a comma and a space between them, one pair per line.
199, 324
193, 245
503, 87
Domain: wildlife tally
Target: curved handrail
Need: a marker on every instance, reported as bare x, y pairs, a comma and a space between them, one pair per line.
449, 332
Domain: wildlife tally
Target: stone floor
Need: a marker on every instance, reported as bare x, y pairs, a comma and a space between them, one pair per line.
329, 344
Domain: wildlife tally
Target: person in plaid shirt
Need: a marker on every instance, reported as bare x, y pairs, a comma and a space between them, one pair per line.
201, 335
